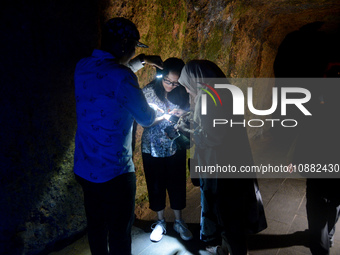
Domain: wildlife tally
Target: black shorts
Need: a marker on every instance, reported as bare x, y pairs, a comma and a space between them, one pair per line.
168, 173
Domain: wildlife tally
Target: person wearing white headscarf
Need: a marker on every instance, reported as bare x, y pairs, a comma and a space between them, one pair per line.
226, 203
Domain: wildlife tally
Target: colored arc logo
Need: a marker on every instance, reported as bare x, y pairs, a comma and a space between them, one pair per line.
211, 95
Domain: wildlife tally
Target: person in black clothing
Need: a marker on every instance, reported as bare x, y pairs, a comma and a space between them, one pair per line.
319, 144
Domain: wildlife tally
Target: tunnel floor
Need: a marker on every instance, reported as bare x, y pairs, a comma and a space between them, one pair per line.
285, 207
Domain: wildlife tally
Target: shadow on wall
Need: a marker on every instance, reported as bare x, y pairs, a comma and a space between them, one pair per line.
40, 202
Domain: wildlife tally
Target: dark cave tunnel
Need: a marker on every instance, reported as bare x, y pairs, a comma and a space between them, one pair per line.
306, 53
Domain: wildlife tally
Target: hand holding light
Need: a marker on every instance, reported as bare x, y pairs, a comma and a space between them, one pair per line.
178, 112
154, 60
155, 107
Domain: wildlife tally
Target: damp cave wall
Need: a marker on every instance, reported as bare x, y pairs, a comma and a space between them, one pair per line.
41, 42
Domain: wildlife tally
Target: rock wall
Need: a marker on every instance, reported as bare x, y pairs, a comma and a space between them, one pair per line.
242, 37
41, 41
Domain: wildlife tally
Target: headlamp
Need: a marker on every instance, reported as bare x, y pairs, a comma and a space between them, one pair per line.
159, 73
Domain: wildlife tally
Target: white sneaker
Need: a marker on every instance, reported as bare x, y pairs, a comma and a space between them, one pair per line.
159, 229
182, 228
216, 250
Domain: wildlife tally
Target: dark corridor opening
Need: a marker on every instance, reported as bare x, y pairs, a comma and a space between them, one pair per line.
305, 53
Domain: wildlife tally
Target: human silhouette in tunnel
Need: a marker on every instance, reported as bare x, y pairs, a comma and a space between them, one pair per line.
307, 53
318, 143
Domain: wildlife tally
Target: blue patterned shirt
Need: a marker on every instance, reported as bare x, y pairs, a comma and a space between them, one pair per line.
154, 139
108, 99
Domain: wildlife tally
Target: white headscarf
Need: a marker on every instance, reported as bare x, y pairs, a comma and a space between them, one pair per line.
193, 74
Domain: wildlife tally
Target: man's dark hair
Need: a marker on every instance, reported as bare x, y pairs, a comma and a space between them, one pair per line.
115, 31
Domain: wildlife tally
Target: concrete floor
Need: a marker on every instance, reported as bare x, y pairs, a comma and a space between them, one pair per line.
284, 201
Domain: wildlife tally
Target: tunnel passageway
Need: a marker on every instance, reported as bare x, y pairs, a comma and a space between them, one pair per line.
304, 53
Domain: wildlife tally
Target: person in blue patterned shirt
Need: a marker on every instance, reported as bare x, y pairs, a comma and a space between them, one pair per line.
108, 100
164, 160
